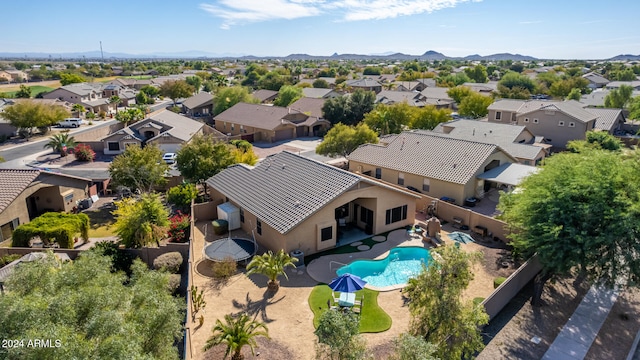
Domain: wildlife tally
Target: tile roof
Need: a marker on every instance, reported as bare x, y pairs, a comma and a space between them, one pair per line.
13, 183
429, 155
255, 115
436, 93
181, 127
572, 108
284, 189
506, 105
310, 106
606, 117
264, 95
202, 98
318, 93
366, 82
393, 97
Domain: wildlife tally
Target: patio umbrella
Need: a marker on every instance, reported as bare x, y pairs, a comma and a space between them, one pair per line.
347, 283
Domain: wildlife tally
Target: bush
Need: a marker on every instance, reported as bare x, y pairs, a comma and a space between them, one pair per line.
4, 260
175, 109
179, 228
102, 114
223, 270
498, 281
52, 227
478, 300
120, 259
174, 282
169, 262
182, 195
84, 152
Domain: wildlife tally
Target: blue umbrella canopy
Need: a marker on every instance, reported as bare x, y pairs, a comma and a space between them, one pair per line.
347, 283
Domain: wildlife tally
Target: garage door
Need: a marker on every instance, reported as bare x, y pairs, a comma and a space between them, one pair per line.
169, 148
283, 134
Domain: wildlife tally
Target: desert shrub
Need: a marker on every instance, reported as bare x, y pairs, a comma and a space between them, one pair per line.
498, 281
52, 227
102, 114
179, 228
175, 109
174, 282
84, 152
182, 195
478, 300
121, 260
4, 260
169, 262
223, 270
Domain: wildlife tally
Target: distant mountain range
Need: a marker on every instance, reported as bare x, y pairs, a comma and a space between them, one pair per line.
194, 54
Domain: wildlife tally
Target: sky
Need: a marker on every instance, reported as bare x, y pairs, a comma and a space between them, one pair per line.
546, 29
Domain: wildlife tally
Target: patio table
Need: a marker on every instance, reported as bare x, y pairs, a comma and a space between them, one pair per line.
347, 299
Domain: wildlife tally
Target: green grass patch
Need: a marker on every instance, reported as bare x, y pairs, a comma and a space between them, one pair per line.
35, 90
101, 223
372, 318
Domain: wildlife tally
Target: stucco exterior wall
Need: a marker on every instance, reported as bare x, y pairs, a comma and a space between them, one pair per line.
548, 126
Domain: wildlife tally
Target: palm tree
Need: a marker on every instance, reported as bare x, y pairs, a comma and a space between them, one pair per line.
78, 108
115, 99
236, 333
60, 143
272, 266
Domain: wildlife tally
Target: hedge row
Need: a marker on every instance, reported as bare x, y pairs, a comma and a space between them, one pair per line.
53, 227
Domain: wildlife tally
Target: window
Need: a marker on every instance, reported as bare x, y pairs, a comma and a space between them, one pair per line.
259, 226
425, 185
535, 121
378, 173
526, 120
572, 124
326, 233
400, 178
224, 125
68, 198
560, 123
242, 216
368, 173
233, 127
113, 146
498, 115
396, 214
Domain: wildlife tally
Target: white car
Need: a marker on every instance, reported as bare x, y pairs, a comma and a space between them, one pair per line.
71, 122
169, 158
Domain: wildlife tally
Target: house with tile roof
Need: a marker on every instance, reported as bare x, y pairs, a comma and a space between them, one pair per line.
390, 97
596, 81
27, 194
438, 97
365, 84
319, 93
166, 129
436, 165
516, 140
200, 104
265, 96
609, 120
291, 202
309, 106
93, 96
558, 122
258, 122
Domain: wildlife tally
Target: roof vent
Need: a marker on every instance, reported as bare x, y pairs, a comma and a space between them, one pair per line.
284, 165
454, 165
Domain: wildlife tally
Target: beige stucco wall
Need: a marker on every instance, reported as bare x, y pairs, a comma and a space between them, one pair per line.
68, 96
547, 126
506, 117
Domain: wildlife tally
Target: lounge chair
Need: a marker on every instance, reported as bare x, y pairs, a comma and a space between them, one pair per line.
331, 306
357, 308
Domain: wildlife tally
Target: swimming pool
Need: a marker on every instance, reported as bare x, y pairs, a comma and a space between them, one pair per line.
397, 268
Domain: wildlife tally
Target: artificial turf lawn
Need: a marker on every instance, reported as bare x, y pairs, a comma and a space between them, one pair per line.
372, 318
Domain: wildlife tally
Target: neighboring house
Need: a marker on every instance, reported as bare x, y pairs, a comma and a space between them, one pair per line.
390, 97
290, 202
200, 104
127, 95
131, 83
436, 165
596, 81
265, 96
13, 75
309, 106
94, 97
319, 93
27, 194
557, 121
257, 122
438, 97
616, 84
517, 141
165, 129
483, 88
609, 120
410, 86
595, 98
365, 84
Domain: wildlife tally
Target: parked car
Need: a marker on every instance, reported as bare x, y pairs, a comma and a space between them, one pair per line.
169, 158
71, 122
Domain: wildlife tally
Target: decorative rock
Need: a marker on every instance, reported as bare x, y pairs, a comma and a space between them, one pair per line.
357, 243
364, 247
379, 238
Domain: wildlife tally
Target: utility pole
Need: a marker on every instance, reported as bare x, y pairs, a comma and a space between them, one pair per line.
101, 53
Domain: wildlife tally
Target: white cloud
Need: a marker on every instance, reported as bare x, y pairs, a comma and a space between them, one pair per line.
243, 11
530, 22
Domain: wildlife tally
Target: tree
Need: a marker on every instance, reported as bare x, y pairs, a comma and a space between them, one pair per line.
272, 81
515, 86
195, 82
618, 98
428, 117
581, 212
78, 109
409, 347
130, 115
236, 333
438, 314
140, 222
634, 108
60, 143
139, 168
350, 109
202, 158
562, 88
115, 99
176, 89
320, 84
227, 97
452, 80
182, 195
390, 119
90, 312
287, 95
27, 114
477, 73
459, 92
243, 152
150, 91
66, 79
574, 94
338, 336
475, 106
24, 92
595, 140
343, 139
271, 265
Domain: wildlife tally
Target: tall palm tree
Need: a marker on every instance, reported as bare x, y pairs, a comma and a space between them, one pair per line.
60, 143
236, 333
272, 265
115, 99
78, 108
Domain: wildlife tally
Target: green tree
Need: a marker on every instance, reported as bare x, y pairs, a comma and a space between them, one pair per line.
227, 97
428, 117
236, 333
287, 95
139, 168
338, 336
27, 115
78, 109
349, 109
60, 143
451, 80
371, 70
272, 81
320, 84
634, 108
93, 312
390, 119
438, 314
151, 91
459, 92
195, 82
176, 89
618, 98
271, 265
574, 94
115, 99
515, 86
243, 152
343, 139
141, 222
475, 106
477, 73
66, 79
581, 212
595, 140
409, 347
130, 115
562, 88
24, 92
182, 195
202, 158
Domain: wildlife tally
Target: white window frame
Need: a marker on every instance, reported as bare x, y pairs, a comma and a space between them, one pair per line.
426, 184
401, 178
498, 115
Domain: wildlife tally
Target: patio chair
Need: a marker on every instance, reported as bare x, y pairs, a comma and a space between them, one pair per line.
336, 299
357, 309
331, 306
358, 302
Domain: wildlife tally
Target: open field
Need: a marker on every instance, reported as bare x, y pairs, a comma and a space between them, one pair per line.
54, 84
35, 90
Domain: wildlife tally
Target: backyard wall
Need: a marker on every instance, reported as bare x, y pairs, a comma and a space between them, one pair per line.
205, 211
96, 134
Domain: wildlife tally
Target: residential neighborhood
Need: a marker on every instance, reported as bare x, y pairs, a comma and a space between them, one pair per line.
378, 205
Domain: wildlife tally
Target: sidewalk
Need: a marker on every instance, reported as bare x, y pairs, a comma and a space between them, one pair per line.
577, 335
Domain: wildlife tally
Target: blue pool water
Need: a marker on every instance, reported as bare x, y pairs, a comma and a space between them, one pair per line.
397, 268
